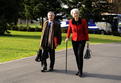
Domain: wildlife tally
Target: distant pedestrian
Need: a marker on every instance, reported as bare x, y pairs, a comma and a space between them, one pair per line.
50, 38
78, 27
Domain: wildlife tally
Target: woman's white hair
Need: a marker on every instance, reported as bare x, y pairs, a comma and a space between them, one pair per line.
75, 9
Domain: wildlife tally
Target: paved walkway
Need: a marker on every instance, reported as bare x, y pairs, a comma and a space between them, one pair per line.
103, 67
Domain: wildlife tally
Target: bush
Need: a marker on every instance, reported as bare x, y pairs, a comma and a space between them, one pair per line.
103, 32
3, 28
30, 29
14, 27
90, 31
38, 29
21, 28
109, 33
64, 30
115, 33
98, 31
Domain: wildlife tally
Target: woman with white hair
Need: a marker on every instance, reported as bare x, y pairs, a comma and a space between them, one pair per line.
78, 27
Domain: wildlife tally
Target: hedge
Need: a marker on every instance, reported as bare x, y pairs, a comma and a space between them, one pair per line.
22, 28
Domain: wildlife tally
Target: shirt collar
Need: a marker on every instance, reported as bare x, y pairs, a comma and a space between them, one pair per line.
50, 22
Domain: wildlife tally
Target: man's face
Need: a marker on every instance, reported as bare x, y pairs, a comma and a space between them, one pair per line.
51, 16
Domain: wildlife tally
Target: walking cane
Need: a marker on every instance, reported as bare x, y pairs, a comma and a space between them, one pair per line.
66, 59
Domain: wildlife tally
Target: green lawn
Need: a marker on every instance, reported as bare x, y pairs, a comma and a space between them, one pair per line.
25, 44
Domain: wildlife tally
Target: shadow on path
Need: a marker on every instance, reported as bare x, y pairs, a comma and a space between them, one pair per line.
102, 76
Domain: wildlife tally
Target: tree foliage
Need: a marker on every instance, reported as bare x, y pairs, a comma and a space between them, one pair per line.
116, 7
89, 8
34, 9
9, 11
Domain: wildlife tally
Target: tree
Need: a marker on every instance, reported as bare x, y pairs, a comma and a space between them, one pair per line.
55, 6
8, 14
18, 8
34, 9
116, 6
28, 11
39, 9
70, 5
89, 8
94, 8
42, 7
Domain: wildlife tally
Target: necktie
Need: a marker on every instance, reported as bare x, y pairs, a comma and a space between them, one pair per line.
48, 29
49, 25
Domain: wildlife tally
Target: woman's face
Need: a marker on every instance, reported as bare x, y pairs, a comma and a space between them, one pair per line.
75, 14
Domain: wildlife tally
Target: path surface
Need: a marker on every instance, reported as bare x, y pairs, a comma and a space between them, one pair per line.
103, 67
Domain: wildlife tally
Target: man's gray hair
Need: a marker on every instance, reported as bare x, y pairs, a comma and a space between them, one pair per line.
50, 12
75, 9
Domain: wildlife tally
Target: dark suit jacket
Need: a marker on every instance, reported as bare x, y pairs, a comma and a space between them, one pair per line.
57, 33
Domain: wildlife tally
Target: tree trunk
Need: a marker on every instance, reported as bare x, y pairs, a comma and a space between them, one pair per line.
15, 22
27, 24
42, 21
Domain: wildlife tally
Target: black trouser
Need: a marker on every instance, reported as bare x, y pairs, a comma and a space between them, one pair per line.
78, 47
52, 57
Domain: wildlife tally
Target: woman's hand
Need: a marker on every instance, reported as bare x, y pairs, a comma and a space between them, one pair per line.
87, 44
66, 40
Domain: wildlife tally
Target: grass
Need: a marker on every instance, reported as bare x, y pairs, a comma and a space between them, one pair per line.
25, 44
95, 39
31, 25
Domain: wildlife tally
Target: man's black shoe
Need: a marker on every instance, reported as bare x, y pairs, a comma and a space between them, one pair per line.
43, 70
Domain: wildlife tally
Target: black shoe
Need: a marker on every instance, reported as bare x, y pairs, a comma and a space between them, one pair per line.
43, 70
77, 73
51, 69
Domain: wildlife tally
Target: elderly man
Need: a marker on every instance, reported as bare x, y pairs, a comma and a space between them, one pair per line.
50, 38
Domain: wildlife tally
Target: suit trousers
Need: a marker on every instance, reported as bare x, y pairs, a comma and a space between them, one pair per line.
78, 47
51, 52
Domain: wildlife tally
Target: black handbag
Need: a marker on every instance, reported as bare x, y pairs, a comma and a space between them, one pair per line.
87, 54
38, 56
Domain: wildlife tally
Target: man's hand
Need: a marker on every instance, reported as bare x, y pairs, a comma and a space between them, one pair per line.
56, 44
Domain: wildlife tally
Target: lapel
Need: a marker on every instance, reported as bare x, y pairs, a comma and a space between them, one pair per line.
52, 25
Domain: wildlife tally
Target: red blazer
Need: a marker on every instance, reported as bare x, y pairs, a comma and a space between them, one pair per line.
79, 30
